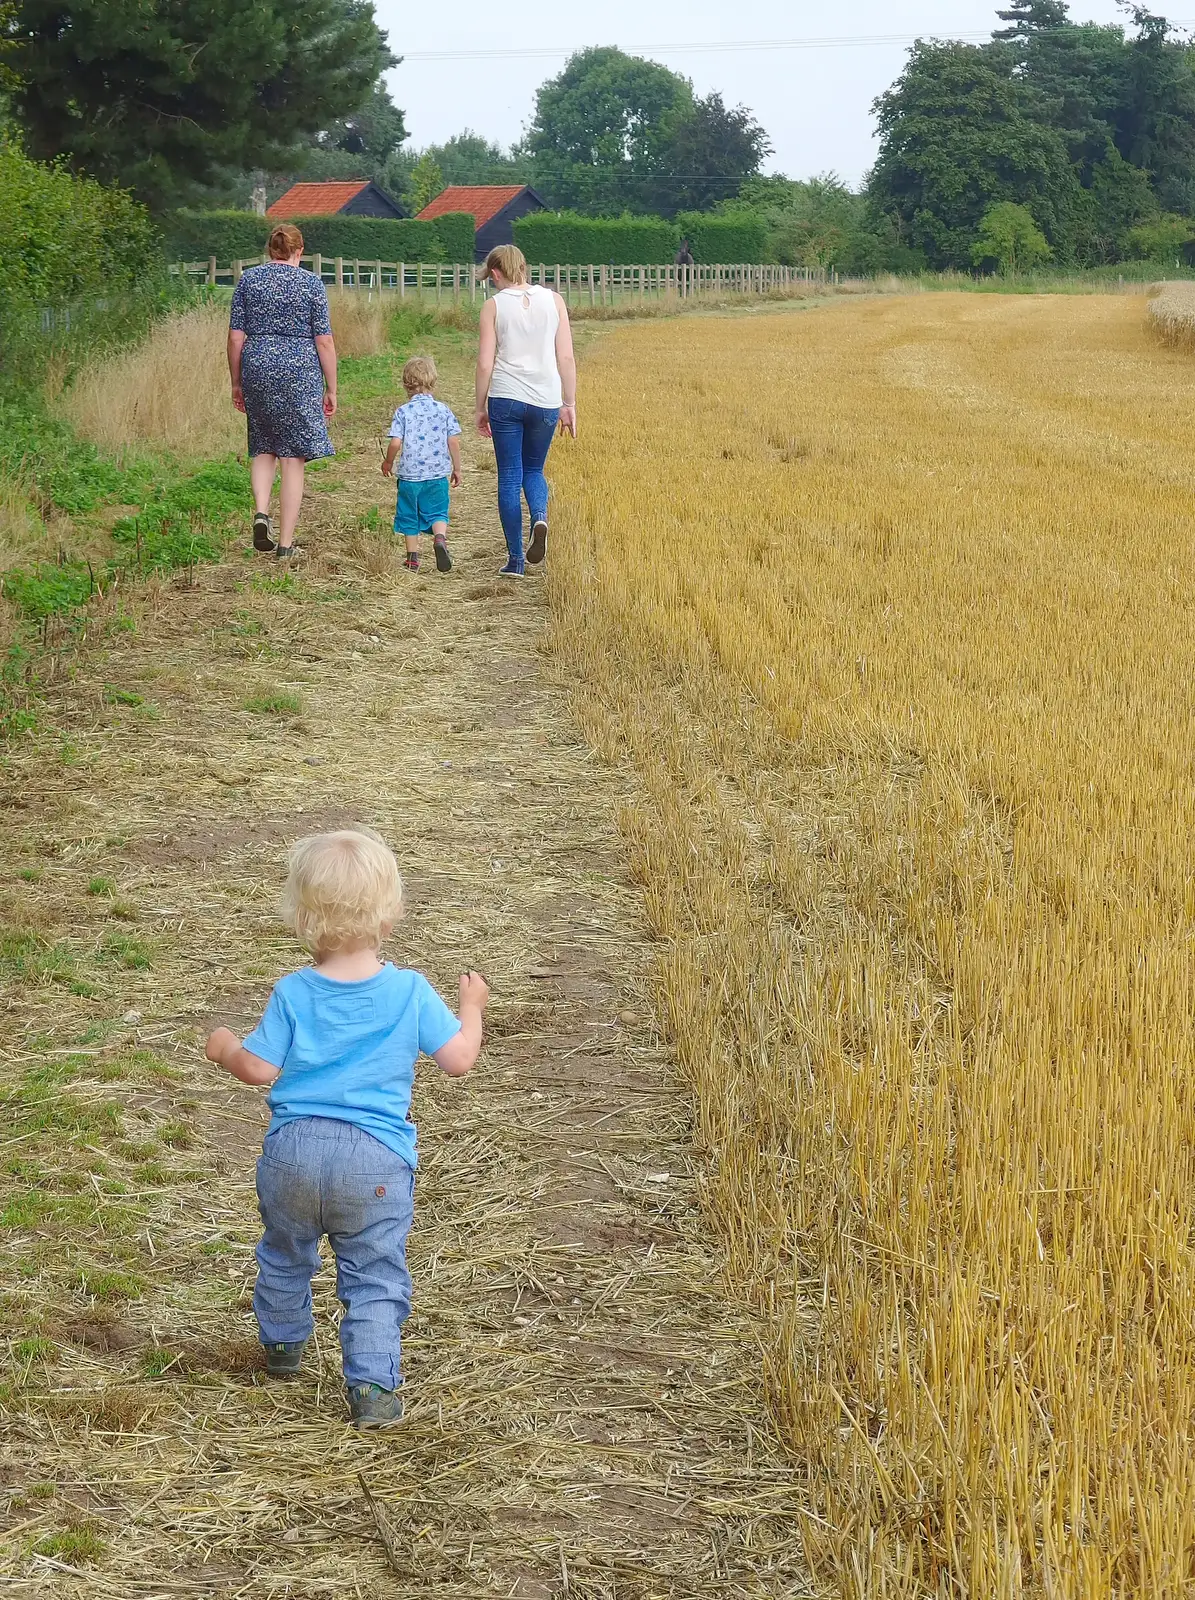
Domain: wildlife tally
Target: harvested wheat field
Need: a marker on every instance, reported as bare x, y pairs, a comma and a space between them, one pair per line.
585, 1412
889, 612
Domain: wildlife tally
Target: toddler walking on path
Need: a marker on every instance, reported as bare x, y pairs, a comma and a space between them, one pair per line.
337, 1046
426, 435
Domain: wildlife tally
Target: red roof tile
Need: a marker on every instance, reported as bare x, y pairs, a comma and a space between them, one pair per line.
483, 200
316, 199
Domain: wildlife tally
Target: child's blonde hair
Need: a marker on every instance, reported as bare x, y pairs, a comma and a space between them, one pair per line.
419, 375
509, 260
342, 889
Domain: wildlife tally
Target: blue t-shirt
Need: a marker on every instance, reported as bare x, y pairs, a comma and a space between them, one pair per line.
347, 1050
425, 426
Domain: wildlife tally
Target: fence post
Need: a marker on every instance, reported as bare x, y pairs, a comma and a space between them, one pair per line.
317, 266
472, 284
377, 267
604, 279
456, 282
211, 269
238, 268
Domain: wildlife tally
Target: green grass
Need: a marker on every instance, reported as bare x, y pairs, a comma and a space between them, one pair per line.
110, 1287
125, 950
121, 697
156, 1363
30, 874
72, 1545
99, 886
275, 702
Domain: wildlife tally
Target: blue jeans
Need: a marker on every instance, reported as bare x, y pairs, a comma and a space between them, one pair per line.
522, 439
317, 1176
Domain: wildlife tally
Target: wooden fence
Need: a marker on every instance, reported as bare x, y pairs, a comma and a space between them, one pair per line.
590, 284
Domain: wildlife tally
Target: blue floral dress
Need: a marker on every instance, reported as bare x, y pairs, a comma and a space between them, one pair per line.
281, 309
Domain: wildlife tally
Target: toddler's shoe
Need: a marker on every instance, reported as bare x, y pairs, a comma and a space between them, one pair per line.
411, 563
511, 570
373, 1407
284, 1360
443, 559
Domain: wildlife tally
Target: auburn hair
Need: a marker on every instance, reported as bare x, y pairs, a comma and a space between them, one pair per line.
285, 241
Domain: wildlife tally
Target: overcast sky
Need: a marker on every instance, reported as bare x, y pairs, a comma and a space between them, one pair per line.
814, 101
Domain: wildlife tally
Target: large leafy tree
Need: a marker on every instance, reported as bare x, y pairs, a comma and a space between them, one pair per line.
709, 149
158, 95
601, 129
958, 134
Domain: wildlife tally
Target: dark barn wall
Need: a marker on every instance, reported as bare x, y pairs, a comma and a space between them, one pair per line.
372, 202
499, 229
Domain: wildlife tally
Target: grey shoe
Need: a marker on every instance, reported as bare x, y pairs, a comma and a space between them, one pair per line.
263, 534
286, 552
538, 548
284, 1360
373, 1407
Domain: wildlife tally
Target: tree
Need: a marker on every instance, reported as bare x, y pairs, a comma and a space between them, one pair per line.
465, 158
1165, 239
158, 95
957, 135
1009, 237
425, 184
601, 130
371, 133
707, 152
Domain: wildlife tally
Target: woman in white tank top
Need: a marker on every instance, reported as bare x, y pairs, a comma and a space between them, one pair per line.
526, 388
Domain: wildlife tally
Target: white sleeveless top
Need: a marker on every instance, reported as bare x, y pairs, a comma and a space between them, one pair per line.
525, 368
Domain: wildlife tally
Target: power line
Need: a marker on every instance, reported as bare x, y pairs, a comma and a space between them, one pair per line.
714, 46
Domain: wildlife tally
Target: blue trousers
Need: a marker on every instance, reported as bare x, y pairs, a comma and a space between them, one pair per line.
522, 438
315, 1177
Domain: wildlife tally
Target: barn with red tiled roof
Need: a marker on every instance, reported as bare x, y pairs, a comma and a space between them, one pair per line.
356, 198
494, 207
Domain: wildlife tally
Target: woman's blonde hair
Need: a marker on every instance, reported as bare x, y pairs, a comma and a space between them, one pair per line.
285, 241
342, 889
509, 261
419, 375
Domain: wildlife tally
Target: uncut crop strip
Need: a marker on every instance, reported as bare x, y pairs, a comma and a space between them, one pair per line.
1172, 314
890, 607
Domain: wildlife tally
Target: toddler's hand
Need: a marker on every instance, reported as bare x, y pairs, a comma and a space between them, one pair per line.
475, 991
387, 468
219, 1044
455, 480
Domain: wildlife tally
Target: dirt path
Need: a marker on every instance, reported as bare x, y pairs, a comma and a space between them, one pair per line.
582, 1419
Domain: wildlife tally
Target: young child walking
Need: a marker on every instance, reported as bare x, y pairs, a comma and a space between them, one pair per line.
426, 436
337, 1047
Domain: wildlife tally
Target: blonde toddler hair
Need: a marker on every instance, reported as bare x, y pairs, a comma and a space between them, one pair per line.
342, 889
419, 375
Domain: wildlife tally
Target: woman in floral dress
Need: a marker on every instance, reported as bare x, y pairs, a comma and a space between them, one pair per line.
282, 361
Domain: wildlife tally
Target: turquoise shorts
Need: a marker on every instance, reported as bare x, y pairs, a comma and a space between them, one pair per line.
420, 503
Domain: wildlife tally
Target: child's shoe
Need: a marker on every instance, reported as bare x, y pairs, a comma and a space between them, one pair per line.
286, 552
538, 548
512, 569
443, 559
284, 1360
373, 1407
411, 563
263, 536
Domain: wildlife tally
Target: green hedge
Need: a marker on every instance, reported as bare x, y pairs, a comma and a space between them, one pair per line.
63, 237
242, 235
725, 239
563, 236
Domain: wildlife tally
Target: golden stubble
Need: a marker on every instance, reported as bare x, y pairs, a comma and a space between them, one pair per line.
889, 607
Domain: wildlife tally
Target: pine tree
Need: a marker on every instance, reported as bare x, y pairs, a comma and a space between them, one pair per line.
156, 95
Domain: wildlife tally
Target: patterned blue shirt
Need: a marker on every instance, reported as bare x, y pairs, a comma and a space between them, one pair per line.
425, 426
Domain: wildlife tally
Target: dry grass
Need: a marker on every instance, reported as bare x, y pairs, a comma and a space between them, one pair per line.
361, 320
901, 667
170, 391
583, 1409
20, 526
1172, 314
